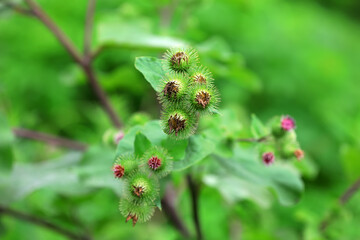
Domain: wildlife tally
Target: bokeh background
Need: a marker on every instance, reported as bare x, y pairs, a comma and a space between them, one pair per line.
269, 57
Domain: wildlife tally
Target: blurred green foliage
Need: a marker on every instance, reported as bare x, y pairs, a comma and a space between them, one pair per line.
269, 57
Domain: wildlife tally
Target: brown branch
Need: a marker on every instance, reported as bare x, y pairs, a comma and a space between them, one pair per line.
350, 192
344, 198
42, 222
88, 69
50, 139
101, 95
168, 206
83, 62
89, 22
194, 191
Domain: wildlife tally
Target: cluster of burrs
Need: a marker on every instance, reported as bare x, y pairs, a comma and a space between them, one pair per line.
187, 92
281, 142
141, 176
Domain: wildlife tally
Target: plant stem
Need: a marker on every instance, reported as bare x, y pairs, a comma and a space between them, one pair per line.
84, 62
194, 191
50, 139
168, 206
350, 192
102, 97
42, 222
344, 198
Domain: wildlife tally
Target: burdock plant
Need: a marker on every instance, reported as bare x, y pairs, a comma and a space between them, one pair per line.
186, 92
157, 161
179, 121
135, 212
200, 75
125, 165
203, 98
174, 88
180, 59
140, 188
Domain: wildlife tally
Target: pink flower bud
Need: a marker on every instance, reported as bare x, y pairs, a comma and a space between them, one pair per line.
118, 136
287, 123
268, 158
118, 170
299, 154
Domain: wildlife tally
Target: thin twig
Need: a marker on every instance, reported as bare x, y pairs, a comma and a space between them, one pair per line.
50, 139
194, 191
42, 222
167, 204
344, 198
350, 192
89, 22
83, 62
101, 95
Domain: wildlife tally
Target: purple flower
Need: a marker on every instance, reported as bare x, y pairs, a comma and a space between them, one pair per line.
268, 158
287, 123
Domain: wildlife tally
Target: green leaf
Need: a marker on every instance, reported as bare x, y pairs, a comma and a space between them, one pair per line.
116, 33
197, 149
158, 204
225, 125
95, 169
176, 148
258, 129
26, 178
152, 70
142, 144
228, 186
279, 178
151, 130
